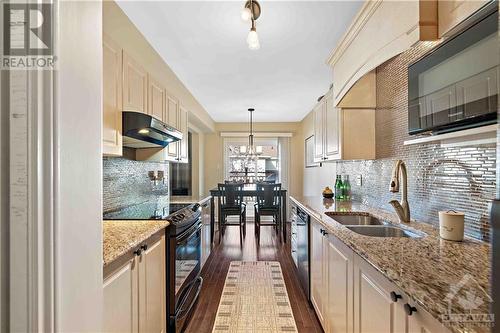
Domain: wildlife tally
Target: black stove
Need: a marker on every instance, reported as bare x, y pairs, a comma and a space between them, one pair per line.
183, 218
184, 265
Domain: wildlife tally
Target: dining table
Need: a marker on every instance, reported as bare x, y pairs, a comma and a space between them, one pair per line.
249, 190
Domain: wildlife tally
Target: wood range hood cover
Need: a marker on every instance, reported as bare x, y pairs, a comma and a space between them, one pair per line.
381, 30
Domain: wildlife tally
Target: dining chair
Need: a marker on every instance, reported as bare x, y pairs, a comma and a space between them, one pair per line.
268, 204
231, 204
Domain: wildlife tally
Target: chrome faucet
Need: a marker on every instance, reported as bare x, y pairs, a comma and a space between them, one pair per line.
402, 208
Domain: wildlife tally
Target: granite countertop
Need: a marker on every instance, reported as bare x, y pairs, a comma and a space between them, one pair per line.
189, 199
426, 269
119, 237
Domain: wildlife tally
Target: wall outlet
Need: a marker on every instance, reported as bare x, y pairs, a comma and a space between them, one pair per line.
359, 180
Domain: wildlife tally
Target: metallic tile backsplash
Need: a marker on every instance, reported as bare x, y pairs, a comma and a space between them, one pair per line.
128, 190
458, 178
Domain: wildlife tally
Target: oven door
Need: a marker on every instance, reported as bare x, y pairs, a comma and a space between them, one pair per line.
187, 273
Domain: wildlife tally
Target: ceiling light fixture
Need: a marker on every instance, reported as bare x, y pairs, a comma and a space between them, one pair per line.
251, 12
251, 152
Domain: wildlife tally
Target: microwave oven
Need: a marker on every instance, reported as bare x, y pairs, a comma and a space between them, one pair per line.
455, 86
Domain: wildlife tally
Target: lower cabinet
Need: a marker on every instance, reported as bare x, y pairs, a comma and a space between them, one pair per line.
331, 280
374, 309
350, 295
134, 294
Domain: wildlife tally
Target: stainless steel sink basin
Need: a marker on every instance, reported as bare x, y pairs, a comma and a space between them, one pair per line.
382, 231
355, 219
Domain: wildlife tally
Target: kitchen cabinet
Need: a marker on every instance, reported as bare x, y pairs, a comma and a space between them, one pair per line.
121, 299
398, 25
339, 312
178, 118
135, 295
374, 309
173, 120
343, 133
452, 12
350, 295
157, 98
112, 98
135, 85
152, 285
318, 271
331, 280
319, 114
183, 127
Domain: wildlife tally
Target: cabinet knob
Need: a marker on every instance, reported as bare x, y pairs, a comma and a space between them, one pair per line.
395, 296
409, 309
138, 252
144, 247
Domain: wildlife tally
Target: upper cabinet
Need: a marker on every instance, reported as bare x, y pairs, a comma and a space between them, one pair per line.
452, 12
128, 86
173, 120
343, 133
157, 98
135, 85
112, 98
183, 127
381, 30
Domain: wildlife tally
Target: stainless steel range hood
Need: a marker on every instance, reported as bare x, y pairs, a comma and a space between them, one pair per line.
141, 130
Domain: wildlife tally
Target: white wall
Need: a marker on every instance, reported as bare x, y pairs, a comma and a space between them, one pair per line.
79, 221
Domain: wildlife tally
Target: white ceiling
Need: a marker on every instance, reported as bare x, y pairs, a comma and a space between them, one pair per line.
204, 42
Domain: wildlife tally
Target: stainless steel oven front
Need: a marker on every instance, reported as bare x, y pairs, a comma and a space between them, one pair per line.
184, 280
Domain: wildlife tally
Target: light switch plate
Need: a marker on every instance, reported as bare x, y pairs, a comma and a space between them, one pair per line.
359, 180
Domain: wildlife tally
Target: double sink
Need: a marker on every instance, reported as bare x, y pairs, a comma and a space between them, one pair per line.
368, 225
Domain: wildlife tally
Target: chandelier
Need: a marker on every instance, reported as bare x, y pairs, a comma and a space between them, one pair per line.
251, 12
251, 151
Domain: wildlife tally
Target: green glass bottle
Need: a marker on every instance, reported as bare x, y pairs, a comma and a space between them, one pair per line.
346, 188
339, 188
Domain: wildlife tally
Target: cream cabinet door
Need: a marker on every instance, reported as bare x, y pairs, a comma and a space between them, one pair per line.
112, 98
120, 299
374, 310
183, 127
333, 129
173, 120
319, 140
152, 284
318, 287
157, 99
135, 85
338, 314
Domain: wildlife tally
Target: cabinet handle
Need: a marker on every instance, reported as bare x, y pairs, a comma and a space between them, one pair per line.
409, 309
325, 233
138, 252
395, 296
322, 231
144, 247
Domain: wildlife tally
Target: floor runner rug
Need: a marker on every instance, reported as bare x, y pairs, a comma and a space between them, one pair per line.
254, 299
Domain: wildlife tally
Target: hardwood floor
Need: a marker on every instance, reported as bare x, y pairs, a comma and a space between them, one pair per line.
215, 270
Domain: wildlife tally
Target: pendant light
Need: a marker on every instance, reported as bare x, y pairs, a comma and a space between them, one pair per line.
250, 152
251, 12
